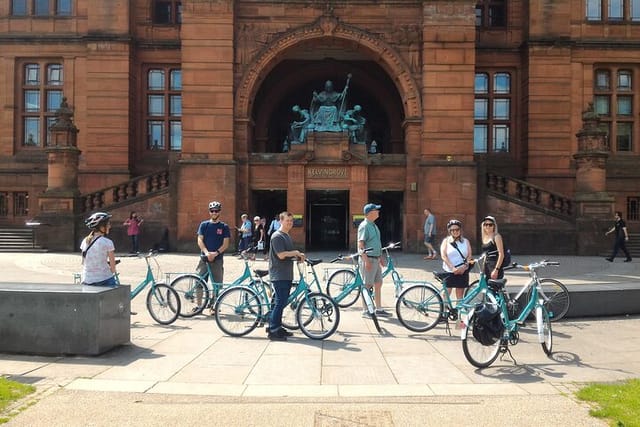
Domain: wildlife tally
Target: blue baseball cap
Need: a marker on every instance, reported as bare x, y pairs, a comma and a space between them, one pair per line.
371, 207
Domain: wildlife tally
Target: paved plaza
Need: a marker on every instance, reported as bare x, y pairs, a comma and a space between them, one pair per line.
189, 371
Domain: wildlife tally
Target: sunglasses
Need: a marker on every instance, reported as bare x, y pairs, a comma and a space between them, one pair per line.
488, 224
454, 229
214, 210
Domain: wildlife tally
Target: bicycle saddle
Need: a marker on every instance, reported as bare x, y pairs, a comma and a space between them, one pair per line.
314, 261
261, 273
497, 284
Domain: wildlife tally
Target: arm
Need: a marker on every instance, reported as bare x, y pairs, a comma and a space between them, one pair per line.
291, 254
112, 261
210, 255
626, 235
500, 246
611, 230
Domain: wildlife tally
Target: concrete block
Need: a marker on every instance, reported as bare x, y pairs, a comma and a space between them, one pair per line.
56, 319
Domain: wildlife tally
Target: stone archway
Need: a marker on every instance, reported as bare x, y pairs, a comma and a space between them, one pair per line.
329, 27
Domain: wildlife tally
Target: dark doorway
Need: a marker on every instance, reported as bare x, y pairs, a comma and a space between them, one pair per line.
390, 221
327, 220
268, 203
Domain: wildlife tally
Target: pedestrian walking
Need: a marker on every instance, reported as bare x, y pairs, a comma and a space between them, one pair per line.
244, 232
430, 233
621, 237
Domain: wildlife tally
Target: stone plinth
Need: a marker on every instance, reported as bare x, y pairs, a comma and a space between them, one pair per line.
57, 319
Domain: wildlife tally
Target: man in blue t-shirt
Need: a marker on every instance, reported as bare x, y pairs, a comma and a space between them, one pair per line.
213, 240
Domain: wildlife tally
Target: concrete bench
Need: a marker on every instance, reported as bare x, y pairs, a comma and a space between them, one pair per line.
56, 319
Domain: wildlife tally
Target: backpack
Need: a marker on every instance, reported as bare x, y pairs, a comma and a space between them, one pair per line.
506, 262
487, 324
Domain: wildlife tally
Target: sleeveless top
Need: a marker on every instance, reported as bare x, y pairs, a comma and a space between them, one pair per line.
491, 260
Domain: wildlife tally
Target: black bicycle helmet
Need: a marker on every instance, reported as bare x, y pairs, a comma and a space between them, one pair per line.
215, 205
97, 219
453, 222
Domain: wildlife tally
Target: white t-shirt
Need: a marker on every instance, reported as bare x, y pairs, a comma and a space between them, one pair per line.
95, 267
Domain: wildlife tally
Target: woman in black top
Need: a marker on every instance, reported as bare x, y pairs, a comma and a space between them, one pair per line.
493, 245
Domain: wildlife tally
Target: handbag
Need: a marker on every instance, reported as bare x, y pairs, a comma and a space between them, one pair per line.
261, 245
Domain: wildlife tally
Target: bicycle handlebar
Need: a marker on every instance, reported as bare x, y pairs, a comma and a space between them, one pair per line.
351, 256
395, 245
535, 265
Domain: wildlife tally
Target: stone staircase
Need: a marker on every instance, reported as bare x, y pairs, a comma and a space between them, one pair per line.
531, 196
18, 239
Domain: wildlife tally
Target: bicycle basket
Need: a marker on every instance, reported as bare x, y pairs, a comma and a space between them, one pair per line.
487, 325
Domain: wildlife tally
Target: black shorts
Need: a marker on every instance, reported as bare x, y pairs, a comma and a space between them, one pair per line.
457, 280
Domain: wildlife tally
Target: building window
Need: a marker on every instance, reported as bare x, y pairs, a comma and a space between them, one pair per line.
167, 12
633, 208
20, 203
614, 101
493, 112
41, 7
491, 14
4, 204
612, 10
163, 109
42, 94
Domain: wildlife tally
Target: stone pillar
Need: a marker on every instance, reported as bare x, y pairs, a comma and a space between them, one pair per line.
594, 206
57, 205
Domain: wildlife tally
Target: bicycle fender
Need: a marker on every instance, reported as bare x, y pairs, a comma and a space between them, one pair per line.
465, 324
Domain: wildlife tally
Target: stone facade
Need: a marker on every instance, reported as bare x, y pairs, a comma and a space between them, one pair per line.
245, 63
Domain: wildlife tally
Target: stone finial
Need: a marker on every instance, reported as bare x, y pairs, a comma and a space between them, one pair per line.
64, 120
590, 118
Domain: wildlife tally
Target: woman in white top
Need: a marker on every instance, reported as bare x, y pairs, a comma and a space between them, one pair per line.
98, 253
455, 251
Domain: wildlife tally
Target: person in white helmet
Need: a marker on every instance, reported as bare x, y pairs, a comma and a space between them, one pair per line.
98, 252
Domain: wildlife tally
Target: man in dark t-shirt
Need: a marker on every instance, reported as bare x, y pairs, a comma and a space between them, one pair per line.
213, 240
622, 236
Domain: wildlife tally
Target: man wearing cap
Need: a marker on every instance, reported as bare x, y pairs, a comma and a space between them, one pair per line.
370, 262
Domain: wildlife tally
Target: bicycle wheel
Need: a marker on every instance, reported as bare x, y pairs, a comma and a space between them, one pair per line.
545, 334
238, 311
556, 298
419, 308
318, 316
163, 304
368, 302
289, 314
340, 280
193, 293
479, 355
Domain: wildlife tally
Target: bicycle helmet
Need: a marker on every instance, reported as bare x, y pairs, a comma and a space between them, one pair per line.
487, 325
97, 219
215, 205
453, 222
489, 218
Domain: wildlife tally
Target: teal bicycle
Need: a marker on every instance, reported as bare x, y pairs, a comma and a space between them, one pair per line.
241, 309
199, 292
492, 326
339, 279
421, 307
347, 285
163, 302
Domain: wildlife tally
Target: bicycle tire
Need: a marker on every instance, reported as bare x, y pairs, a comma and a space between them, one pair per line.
336, 284
318, 316
238, 311
163, 303
479, 355
289, 314
368, 301
557, 299
191, 288
419, 308
547, 332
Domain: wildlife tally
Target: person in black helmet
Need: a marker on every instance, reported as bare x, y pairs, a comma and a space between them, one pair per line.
98, 252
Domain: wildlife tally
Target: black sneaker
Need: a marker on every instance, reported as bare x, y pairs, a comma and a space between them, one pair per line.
286, 333
627, 260
609, 259
275, 336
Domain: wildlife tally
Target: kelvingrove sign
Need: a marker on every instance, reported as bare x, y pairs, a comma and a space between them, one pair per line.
317, 172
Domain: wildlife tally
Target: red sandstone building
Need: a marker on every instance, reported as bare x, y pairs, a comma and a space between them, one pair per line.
476, 107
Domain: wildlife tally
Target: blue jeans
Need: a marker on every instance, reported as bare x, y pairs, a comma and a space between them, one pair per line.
282, 289
134, 243
107, 283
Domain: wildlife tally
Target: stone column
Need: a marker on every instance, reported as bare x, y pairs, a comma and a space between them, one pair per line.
57, 205
594, 206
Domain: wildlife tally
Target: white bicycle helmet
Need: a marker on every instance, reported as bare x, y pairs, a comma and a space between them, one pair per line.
97, 219
215, 205
454, 222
